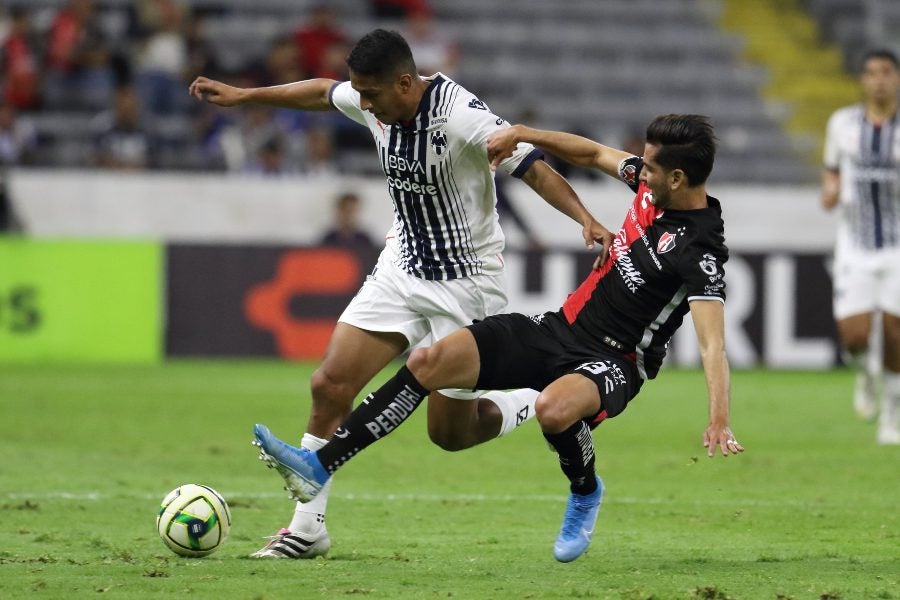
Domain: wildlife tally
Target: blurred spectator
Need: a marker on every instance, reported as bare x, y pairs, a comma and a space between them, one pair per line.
271, 159
79, 71
161, 61
320, 157
123, 143
397, 9
242, 142
201, 57
20, 63
211, 125
280, 65
315, 37
334, 62
18, 137
345, 231
434, 52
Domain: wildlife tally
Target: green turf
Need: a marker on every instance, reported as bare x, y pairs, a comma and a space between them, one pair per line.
811, 510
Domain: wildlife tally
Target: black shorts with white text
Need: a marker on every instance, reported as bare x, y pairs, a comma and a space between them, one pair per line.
519, 351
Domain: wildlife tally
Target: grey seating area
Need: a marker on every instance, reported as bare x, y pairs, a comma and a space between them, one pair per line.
603, 68
857, 25
607, 68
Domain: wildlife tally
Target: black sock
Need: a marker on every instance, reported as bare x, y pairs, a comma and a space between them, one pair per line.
376, 416
576, 457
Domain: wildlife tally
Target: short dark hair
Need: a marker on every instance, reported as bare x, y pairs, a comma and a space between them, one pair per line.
686, 142
881, 53
381, 54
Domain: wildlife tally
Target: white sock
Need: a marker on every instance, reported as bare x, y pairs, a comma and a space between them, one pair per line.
310, 516
868, 372
516, 406
890, 401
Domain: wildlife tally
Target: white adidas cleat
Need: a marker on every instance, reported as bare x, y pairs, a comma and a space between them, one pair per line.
297, 545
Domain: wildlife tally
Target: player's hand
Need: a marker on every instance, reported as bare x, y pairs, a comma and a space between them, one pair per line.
501, 144
215, 92
720, 437
593, 233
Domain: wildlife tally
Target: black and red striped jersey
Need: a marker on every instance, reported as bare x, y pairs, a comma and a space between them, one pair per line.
660, 260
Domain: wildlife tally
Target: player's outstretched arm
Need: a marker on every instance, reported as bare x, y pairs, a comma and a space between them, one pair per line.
575, 149
311, 94
556, 191
709, 322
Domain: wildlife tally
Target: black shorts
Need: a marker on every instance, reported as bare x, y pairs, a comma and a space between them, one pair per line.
519, 351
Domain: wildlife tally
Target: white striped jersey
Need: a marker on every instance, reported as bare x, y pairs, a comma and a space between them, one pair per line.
438, 175
867, 156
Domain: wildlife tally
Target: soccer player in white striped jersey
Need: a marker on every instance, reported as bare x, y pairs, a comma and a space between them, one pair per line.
862, 181
441, 267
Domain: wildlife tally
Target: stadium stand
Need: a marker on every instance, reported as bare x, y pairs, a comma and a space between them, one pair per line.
603, 69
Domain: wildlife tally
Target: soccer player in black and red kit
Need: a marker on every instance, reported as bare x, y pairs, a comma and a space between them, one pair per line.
590, 358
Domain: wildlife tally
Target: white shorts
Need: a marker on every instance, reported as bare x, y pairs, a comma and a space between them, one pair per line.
392, 300
866, 282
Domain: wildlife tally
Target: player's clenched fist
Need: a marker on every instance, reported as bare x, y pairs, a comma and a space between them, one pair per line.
501, 144
215, 92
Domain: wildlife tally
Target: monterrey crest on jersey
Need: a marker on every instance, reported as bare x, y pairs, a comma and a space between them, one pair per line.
659, 261
436, 169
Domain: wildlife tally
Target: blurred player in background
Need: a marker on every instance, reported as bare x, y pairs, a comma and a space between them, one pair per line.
862, 179
592, 356
441, 267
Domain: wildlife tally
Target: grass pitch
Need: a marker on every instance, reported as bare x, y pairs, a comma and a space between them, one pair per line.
811, 510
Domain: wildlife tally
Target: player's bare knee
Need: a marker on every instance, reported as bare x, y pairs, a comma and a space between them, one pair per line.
423, 363
551, 413
445, 438
330, 394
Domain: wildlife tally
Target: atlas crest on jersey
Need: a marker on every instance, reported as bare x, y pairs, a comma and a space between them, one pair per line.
666, 243
476, 103
438, 141
667, 240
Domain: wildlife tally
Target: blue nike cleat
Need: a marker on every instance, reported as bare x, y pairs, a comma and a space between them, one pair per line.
578, 525
299, 467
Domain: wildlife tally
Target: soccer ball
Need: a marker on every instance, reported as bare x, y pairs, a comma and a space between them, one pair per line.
193, 520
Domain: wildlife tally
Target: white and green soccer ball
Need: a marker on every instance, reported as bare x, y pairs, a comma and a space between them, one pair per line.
193, 520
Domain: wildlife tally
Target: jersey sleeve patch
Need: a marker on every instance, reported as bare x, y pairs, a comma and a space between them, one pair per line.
706, 276
629, 171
